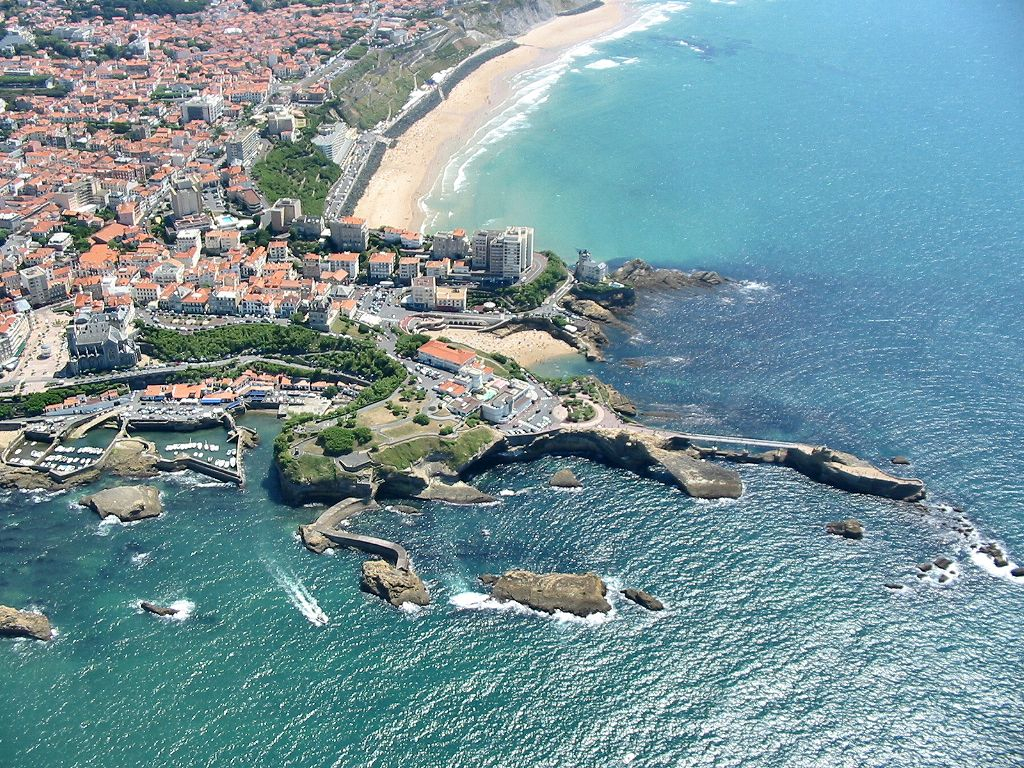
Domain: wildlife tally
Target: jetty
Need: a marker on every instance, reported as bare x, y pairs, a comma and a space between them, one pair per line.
326, 531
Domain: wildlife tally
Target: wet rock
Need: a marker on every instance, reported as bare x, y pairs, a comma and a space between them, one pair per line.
850, 473
925, 566
395, 585
578, 594
314, 539
943, 563
1018, 572
564, 478
900, 461
943, 579
848, 528
158, 610
30, 624
126, 503
406, 509
457, 493
893, 585
487, 579
645, 599
642, 275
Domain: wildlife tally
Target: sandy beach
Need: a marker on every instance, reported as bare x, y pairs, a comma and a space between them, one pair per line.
410, 168
526, 347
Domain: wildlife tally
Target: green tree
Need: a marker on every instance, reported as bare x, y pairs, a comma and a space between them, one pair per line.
336, 441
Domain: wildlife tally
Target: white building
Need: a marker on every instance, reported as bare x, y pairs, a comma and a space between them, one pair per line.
590, 271
451, 245
242, 147
334, 142
208, 109
504, 254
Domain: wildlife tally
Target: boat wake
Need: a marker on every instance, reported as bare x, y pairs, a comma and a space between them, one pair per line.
299, 596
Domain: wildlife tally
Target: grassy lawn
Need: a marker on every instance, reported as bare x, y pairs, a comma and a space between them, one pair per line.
313, 469
375, 417
409, 430
454, 453
404, 455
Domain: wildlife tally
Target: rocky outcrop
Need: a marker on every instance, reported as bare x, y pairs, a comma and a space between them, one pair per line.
641, 453
590, 310
642, 276
645, 599
564, 478
314, 540
829, 467
578, 594
30, 624
26, 479
848, 529
698, 478
126, 503
901, 461
456, 493
849, 473
406, 509
132, 457
994, 551
158, 610
395, 585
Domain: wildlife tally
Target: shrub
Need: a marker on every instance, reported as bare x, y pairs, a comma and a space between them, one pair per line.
421, 418
336, 441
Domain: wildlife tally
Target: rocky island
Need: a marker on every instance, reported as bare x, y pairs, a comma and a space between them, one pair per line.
126, 503
28, 624
577, 594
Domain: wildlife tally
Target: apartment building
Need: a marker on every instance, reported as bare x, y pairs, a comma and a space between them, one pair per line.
350, 234
242, 147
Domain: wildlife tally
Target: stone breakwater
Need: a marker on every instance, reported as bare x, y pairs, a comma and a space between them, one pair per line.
391, 578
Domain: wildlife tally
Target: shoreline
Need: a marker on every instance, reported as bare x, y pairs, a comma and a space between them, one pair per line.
410, 169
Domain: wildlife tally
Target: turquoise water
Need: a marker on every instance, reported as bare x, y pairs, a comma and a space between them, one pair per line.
860, 167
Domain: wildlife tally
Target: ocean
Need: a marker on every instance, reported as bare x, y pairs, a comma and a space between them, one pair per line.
858, 168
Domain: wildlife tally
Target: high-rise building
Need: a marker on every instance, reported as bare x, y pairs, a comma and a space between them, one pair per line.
482, 246
334, 142
242, 147
206, 108
186, 197
508, 254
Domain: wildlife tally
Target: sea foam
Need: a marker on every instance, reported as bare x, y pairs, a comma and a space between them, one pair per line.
477, 601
